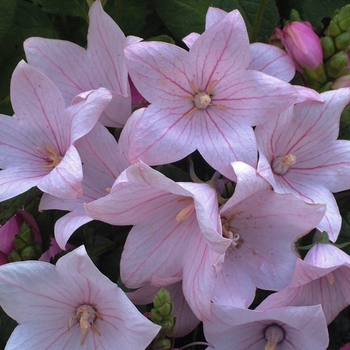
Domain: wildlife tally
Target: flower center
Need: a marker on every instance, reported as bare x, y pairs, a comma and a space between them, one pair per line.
228, 232
51, 156
280, 165
203, 99
274, 334
85, 315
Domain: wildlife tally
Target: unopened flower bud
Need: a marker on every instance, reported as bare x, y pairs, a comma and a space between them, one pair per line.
337, 64
31, 252
14, 256
342, 41
162, 297
343, 18
302, 44
168, 326
26, 233
333, 30
162, 344
328, 47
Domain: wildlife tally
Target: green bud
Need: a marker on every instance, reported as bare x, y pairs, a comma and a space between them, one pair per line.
333, 30
31, 253
343, 18
337, 65
342, 41
26, 233
166, 310
328, 47
19, 243
162, 297
156, 316
14, 256
316, 75
162, 344
168, 325
326, 87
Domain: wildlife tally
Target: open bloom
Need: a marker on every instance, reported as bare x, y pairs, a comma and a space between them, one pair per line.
288, 328
206, 99
70, 306
37, 143
75, 70
175, 232
262, 226
299, 153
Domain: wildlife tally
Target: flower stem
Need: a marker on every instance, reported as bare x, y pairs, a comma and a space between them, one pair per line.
257, 21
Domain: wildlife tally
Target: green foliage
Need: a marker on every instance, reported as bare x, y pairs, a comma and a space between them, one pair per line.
310, 10
183, 17
78, 8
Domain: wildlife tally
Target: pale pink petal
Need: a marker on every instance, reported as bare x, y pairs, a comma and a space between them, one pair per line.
214, 15
163, 129
253, 97
307, 94
150, 249
38, 102
223, 142
235, 328
271, 60
109, 66
190, 39
200, 269
84, 115
65, 180
158, 72
313, 193
312, 285
67, 224
63, 62
17, 180
326, 255
211, 52
233, 288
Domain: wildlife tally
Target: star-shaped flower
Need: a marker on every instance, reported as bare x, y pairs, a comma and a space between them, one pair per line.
70, 306
205, 99
37, 143
299, 153
262, 226
175, 232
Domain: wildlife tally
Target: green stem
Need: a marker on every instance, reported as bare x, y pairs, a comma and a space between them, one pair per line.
257, 21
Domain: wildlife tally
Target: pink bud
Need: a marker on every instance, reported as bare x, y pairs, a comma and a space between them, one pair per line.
345, 347
302, 45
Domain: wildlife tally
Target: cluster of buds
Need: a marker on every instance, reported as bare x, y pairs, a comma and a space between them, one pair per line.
323, 63
162, 314
26, 248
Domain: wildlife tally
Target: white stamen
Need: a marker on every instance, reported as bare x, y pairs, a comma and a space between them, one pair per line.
280, 165
85, 315
274, 334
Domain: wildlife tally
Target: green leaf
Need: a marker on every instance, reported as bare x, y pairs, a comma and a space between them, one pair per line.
11, 206
183, 17
7, 16
29, 20
78, 8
